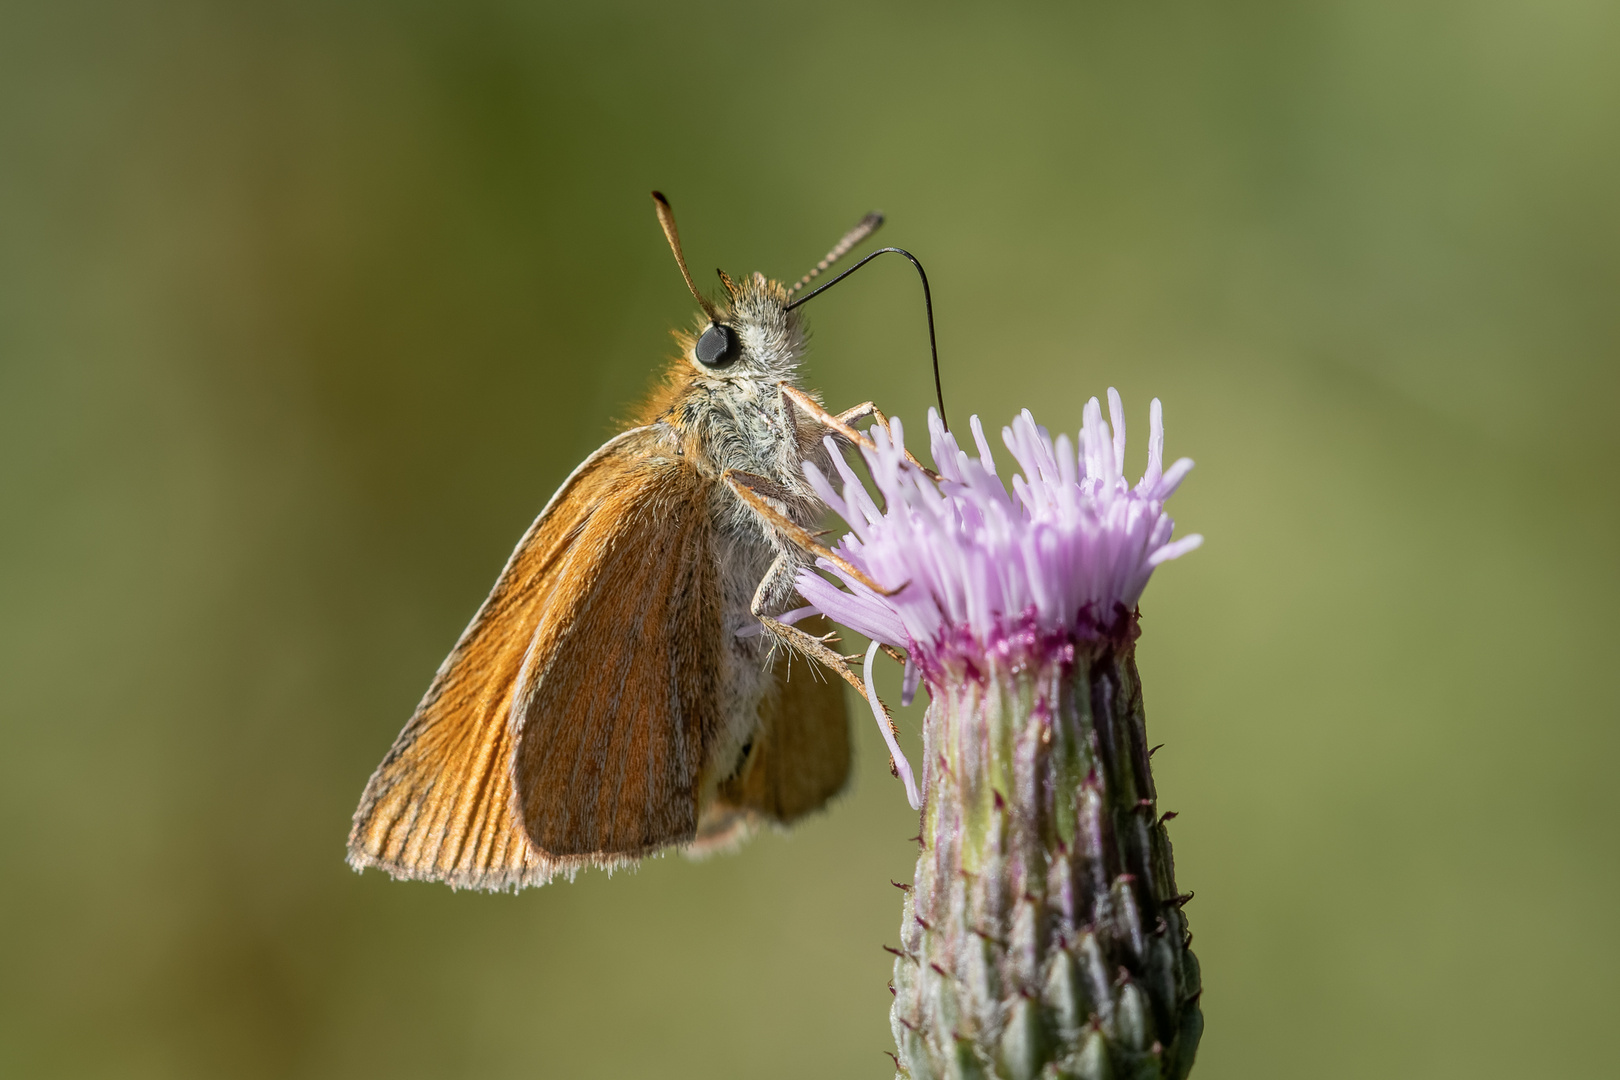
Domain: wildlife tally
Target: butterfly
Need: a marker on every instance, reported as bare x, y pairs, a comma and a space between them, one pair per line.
628, 684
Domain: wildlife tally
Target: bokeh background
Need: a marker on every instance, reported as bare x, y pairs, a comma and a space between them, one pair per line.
305, 309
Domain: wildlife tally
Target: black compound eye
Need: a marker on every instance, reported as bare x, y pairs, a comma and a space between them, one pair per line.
718, 346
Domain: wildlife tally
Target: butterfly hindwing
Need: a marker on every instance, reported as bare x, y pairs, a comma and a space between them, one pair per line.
799, 759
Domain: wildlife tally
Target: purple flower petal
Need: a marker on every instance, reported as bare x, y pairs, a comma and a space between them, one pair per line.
1065, 555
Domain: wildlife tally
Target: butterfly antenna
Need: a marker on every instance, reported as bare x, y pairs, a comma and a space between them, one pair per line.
863, 228
928, 301
666, 218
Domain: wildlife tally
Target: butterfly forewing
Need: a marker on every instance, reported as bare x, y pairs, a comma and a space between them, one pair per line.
620, 695
441, 806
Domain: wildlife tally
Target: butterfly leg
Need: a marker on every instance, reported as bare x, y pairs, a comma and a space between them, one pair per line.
782, 574
780, 581
808, 405
860, 412
747, 487
841, 423
780, 578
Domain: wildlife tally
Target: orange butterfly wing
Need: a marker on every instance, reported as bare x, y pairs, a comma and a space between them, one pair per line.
575, 608
800, 756
620, 699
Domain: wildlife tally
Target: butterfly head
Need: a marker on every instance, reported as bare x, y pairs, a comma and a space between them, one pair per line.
756, 334
753, 335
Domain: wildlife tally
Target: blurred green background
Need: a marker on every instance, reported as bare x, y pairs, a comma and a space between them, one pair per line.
305, 309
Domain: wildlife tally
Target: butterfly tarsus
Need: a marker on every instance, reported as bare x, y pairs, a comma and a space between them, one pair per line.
812, 647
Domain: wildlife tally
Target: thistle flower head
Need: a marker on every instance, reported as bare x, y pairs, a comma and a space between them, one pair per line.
1043, 933
981, 572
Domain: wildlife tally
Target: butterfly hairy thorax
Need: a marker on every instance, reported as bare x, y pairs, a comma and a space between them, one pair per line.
628, 685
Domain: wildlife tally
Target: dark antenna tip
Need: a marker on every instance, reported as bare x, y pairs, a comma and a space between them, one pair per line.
666, 218
928, 302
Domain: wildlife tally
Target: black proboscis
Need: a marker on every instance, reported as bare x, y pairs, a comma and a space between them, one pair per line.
928, 302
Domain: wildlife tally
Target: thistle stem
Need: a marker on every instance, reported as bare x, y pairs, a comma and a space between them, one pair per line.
1044, 936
